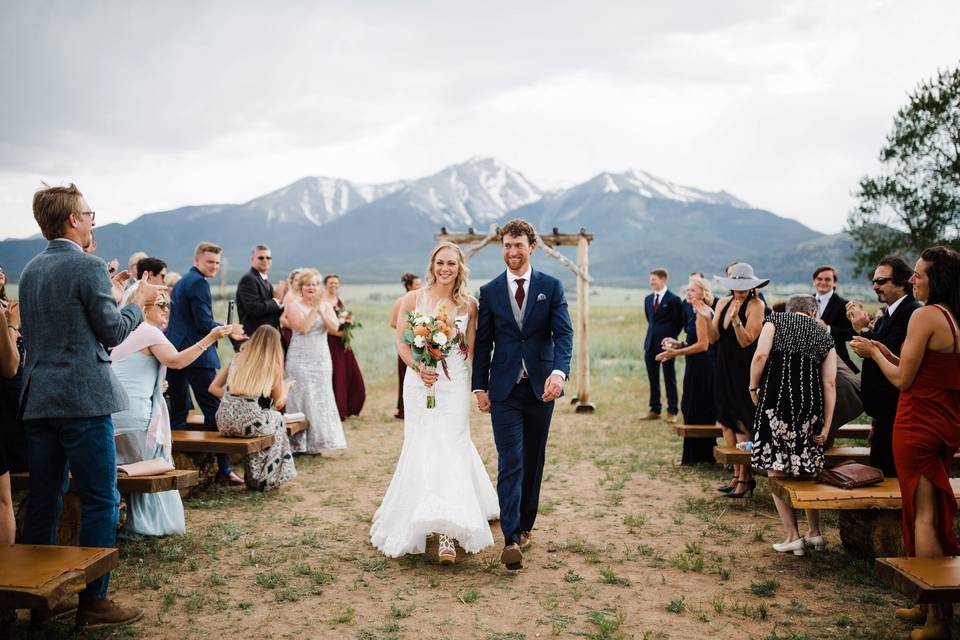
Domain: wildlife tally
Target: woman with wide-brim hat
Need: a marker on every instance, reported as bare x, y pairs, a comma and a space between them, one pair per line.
734, 330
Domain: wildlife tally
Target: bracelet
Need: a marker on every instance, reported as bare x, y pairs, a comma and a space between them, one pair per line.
202, 348
753, 389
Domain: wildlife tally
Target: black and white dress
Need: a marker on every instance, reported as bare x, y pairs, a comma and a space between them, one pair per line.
790, 413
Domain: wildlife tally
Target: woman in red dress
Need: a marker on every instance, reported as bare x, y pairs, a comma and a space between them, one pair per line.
348, 387
926, 432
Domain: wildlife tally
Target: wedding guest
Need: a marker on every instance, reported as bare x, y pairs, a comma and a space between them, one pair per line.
132, 262
849, 405
9, 367
734, 330
832, 311
258, 303
70, 318
12, 437
891, 283
792, 382
173, 277
142, 430
410, 283
293, 293
925, 433
664, 314
154, 268
3, 284
249, 389
348, 384
696, 403
309, 364
191, 319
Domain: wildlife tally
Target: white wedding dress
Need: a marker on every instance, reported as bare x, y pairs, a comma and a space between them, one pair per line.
440, 484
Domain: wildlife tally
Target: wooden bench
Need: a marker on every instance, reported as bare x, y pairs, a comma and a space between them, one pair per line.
846, 432
294, 426
212, 442
924, 580
725, 454
176, 479
853, 432
41, 577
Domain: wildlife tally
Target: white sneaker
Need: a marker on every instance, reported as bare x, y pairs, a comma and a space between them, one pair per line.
796, 546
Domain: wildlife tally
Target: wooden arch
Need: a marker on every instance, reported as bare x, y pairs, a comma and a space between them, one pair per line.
581, 240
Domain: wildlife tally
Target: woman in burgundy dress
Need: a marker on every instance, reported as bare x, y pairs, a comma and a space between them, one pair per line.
926, 432
347, 379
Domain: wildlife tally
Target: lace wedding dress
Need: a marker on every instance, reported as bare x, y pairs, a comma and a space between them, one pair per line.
440, 484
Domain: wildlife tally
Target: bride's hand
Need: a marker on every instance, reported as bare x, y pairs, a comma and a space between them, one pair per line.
428, 375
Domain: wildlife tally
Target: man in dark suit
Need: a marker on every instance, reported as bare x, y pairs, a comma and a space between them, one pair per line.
891, 283
832, 311
523, 321
664, 312
191, 319
70, 318
257, 302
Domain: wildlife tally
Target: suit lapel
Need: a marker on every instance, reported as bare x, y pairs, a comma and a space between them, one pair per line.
532, 291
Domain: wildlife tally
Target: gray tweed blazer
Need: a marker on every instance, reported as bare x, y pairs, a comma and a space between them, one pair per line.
69, 315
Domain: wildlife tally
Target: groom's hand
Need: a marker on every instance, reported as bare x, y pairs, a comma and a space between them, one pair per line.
483, 401
552, 388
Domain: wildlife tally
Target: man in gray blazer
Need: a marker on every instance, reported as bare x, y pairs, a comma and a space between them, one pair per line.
70, 317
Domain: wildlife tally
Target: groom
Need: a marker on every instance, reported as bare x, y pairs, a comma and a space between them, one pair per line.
523, 313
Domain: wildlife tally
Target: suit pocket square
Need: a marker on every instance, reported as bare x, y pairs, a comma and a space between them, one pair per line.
541, 297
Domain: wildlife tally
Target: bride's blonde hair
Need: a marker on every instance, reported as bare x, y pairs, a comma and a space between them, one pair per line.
460, 293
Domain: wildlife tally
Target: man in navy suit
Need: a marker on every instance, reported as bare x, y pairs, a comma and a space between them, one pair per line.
523, 313
664, 312
191, 319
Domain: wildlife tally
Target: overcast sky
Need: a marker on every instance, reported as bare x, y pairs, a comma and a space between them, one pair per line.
150, 106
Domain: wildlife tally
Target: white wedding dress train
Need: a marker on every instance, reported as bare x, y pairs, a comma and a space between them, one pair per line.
440, 484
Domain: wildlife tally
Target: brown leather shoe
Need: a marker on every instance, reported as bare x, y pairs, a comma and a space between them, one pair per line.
524, 540
672, 418
651, 415
232, 480
43, 616
104, 613
512, 557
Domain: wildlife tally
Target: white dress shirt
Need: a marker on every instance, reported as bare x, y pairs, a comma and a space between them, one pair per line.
893, 307
823, 299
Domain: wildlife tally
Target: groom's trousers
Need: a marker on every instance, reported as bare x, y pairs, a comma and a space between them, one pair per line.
520, 427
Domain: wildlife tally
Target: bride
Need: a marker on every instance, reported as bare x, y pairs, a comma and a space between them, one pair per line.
440, 484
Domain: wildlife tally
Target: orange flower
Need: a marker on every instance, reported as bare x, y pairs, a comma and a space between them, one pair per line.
434, 353
422, 331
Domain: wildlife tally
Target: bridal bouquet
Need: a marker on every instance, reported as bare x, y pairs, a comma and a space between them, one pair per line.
348, 325
432, 339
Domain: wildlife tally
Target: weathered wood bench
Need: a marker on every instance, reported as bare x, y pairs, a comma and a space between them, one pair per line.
213, 442
924, 580
870, 517
725, 454
41, 577
294, 426
176, 479
846, 432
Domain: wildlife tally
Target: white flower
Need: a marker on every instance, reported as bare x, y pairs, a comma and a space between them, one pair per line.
420, 319
440, 338
419, 341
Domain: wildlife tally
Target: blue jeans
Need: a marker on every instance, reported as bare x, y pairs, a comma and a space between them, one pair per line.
85, 447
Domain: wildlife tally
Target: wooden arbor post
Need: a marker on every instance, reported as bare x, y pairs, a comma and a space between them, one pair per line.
581, 240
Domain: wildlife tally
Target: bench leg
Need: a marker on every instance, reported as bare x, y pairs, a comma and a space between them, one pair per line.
872, 533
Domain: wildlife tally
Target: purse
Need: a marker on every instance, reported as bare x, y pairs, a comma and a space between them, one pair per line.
850, 474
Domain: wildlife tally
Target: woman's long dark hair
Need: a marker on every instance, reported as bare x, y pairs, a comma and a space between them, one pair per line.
943, 272
3, 289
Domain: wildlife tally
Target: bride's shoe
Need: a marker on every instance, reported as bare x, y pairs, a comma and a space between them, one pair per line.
447, 552
785, 547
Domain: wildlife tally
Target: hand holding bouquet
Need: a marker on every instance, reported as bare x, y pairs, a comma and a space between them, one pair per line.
347, 326
431, 339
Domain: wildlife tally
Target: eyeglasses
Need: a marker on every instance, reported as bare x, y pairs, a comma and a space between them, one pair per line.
264, 258
159, 305
92, 214
881, 281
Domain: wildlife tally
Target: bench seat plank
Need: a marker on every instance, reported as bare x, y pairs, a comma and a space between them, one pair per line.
725, 454
41, 576
809, 494
176, 479
924, 580
212, 442
697, 430
293, 426
853, 431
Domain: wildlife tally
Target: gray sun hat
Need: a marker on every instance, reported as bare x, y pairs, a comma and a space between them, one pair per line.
741, 278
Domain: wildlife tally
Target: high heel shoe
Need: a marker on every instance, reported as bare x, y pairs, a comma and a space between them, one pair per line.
727, 488
751, 485
817, 542
785, 547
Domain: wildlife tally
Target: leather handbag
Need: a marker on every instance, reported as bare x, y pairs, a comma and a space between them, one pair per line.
850, 474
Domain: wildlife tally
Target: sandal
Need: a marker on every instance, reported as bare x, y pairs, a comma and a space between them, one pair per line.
447, 552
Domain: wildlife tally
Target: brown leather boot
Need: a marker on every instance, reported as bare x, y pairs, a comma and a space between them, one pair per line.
917, 613
104, 613
42, 616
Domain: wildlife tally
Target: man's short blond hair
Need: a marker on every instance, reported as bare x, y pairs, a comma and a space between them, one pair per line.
207, 247
53, 206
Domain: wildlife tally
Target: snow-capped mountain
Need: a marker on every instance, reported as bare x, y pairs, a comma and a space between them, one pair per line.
319, 199
476, 192
650, 186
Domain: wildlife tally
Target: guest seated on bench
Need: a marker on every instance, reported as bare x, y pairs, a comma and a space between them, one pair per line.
142, 431
792, 382
247, 388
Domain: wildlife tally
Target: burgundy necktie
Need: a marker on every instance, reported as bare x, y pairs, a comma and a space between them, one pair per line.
519, 294
656, 303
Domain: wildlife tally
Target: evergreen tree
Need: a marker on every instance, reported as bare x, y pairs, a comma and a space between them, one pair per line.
915, 201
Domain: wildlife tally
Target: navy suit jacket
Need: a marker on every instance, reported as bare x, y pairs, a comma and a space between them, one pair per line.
545, 343
191, 317
666, 323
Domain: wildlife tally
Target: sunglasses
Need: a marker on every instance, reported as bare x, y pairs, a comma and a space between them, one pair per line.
881, 281
264, 258
160, 305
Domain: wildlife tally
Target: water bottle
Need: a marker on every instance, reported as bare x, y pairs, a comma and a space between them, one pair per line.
745, 446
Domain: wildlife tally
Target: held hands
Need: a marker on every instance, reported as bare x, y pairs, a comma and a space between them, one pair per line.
667, 354
483, 401
552, 388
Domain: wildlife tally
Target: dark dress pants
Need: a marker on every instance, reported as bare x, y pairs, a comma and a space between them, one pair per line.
669, 380
881, 445
198, 379
521, 424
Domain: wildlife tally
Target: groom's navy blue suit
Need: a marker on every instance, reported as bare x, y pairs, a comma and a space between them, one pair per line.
540, 344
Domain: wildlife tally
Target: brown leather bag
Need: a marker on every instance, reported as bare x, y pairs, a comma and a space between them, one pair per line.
850, 474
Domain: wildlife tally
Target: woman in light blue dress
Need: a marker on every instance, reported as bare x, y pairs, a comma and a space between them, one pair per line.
142, 432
